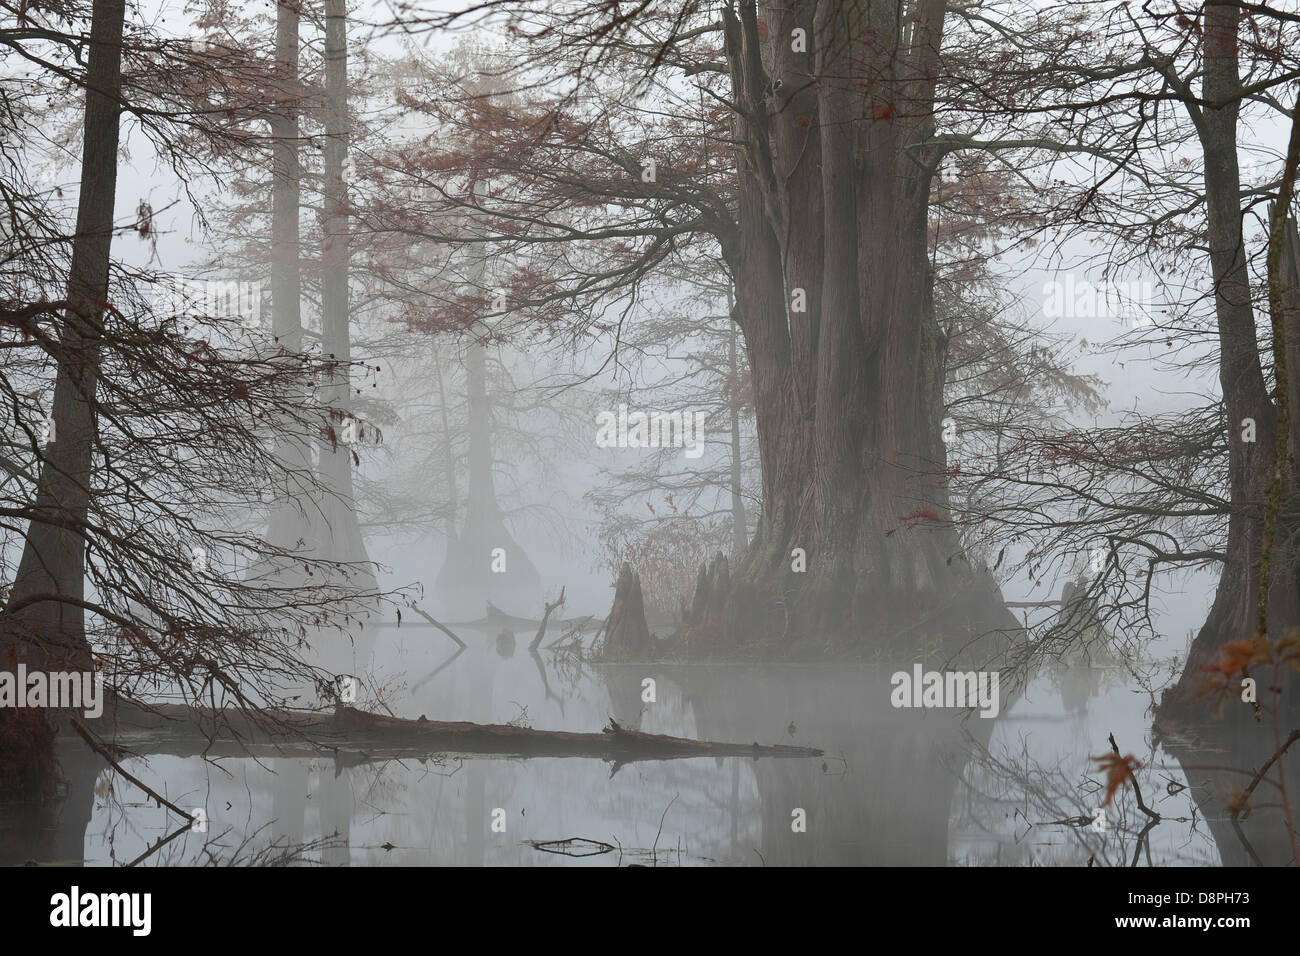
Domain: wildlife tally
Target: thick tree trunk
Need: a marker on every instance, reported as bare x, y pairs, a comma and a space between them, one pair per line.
1234, 613
44, 620
834, 295
739, 520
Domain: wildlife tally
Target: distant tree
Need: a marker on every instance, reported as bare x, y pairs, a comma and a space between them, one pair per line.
139, 505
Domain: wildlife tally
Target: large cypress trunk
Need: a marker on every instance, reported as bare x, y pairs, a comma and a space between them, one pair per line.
739, 521
834, 295
44, 619
1234, 615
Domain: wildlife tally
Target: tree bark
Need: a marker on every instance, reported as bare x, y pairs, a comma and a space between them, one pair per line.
43, 624
834, 295
448, 458
289, 522
627, 636
43, 620
341, 538
1234, 613
739, 520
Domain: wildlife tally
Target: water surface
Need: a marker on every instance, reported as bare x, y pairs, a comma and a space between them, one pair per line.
895, 787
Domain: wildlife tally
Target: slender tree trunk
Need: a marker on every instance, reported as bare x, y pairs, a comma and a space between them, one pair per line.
484, 562
449, 458
43, 604
289, 523
482, 505
44, 620
343, 532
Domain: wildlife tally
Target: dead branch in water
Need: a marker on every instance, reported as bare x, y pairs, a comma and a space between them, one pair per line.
1244, 797
439, 626
546, 616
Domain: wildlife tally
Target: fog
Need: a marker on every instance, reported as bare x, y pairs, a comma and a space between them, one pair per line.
655, 383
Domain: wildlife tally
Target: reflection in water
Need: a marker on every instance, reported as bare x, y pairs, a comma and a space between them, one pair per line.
896, 787
1220, 762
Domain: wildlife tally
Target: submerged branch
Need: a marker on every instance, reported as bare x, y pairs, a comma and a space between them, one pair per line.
440, 626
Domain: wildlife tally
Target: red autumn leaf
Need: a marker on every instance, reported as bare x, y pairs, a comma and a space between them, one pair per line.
883, 113
1236, 656
1119, 771
1235, 800
917, 515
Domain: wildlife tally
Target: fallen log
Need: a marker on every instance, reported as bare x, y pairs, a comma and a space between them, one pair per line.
355, 736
